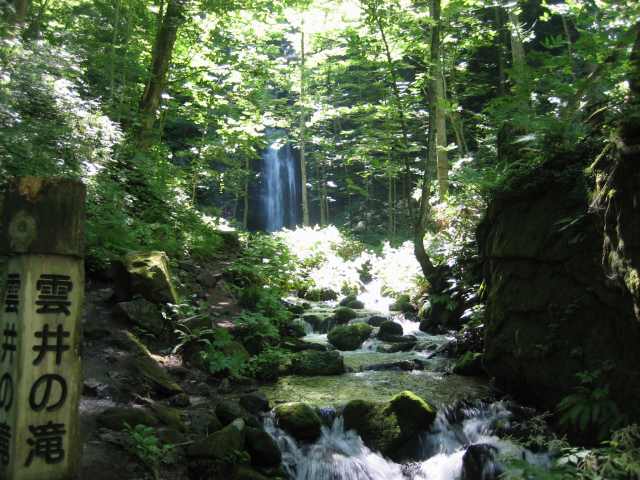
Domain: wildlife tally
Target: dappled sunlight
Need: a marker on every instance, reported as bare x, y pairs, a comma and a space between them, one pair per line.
332, 260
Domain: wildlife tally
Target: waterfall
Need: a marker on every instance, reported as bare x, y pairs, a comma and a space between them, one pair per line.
280, 187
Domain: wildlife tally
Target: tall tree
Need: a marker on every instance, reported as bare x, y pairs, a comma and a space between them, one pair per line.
302, 132
438, 101
170, 21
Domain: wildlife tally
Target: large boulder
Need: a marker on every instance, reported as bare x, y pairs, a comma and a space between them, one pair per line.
342, 315
349, 337
551, 310
390, 329
479, 463
144, 368
146, 274
299, 420
142, 313
263, 449
312, 362
393, 428
117, 418
351, 301
220, 445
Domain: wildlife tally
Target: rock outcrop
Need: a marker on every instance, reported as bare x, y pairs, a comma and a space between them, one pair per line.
552, 311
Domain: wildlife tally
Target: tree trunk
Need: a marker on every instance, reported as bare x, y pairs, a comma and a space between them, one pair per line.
499, 50
517, 48
21, 8
303, 162
160, 60
245, 213
442, 161
399, 106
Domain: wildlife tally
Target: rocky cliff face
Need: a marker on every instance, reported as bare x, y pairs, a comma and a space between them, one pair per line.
553, 309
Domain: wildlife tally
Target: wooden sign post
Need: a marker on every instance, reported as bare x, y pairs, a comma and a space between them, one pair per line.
40, 371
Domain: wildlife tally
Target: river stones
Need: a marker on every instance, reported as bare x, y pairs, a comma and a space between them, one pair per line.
263, 449
299, 420
344, 314
349, 337
479, 463
390, 329
352, 301
393, 428
377, 320
313, 362
222, 444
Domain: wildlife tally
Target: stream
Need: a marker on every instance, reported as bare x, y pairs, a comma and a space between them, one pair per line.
463, 423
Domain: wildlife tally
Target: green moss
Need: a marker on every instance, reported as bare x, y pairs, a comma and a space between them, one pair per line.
402, 304
392, 428
469, 364
313, 362
299, 420
349, 337
344, 314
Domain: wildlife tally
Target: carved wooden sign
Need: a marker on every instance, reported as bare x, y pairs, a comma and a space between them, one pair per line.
40, 369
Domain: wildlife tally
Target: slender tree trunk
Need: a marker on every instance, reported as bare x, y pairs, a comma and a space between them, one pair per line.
160, 60
303, 162
21, 8
245, 212
517, 48
112, 66
442, 161
393, 82
500, 50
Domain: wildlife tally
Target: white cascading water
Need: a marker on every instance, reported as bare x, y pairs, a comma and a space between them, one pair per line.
280, 189
341, 455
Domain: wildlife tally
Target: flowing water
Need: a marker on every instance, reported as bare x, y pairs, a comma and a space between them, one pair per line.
280, 189
341, 455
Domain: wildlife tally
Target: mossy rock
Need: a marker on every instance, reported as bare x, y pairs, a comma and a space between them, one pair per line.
349, 337
377, 320
312, 362
149, 276
220, 445
145, 366
390, 329
470, 365
263, 449
392, 428
142, 313
228, 411
171, 417
352, 301
118, 418
299, 420
402, 304
320, 295
344, 314
298, 327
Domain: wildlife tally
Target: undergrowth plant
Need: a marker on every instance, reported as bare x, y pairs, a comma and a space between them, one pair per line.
147, 447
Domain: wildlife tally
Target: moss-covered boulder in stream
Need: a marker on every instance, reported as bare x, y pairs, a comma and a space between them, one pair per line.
351, 301
299, 420
342, 315
349, 337
220, 445
392, 428
390, 329
312, 362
